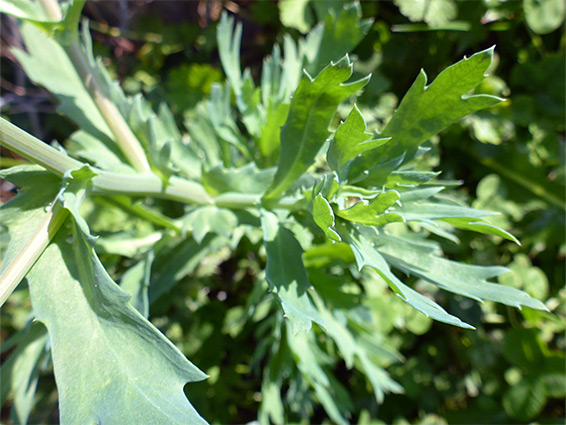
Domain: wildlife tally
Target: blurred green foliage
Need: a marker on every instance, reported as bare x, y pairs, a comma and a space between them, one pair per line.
512, 368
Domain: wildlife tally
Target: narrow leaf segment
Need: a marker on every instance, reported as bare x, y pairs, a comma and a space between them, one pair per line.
313, 106
287, 275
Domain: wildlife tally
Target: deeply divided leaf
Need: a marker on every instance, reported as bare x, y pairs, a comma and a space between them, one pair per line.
313, 106
287, 275
427, 110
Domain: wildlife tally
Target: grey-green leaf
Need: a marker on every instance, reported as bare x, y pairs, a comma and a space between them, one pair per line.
367, 255
464, 279
287, 275
246, 179
19, 374
480, 226
211, 219
312, 108
349, 141
129, 372
20, 216
47, 64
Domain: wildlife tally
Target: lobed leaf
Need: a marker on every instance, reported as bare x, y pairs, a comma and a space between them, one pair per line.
287, 275
350, 140
464, 279
367, 255
211, 219
427, 110
310, 361
352, 347
313, 106
130, 373
339, 33
246, 179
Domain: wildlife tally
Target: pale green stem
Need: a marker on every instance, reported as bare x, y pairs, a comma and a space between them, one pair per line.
31, 251
146, 184
127, 141
24, 144
52, 9
125, 138
110, 183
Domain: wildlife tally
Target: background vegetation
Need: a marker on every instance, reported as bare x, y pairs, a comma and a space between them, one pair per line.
511, 157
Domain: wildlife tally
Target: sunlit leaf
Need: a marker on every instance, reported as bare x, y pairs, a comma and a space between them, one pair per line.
349, 141
427, 110
134, 373
464, 279
367, 255
313, 106
324, 217
373, 213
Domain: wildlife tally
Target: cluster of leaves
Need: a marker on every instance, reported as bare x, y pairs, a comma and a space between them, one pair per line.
299, 224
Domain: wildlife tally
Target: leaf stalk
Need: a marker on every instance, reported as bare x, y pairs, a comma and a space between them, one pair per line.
125, 138
142, 184
31, 251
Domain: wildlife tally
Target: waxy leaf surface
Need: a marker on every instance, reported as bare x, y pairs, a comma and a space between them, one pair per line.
464, 279
427, 110
287, 275
111, 364
349, 141
367, 255
313, 106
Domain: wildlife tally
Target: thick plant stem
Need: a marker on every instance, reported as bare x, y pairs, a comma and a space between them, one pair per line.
127, 141
52, 9
143, 184
31, 251
125, 138
26, 145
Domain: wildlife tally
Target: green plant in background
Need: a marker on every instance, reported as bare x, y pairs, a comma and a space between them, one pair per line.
319, 222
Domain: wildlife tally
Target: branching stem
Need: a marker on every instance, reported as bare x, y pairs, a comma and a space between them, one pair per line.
110, 183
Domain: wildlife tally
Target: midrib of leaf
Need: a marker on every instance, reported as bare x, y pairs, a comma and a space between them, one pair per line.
276, 190
303, 138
